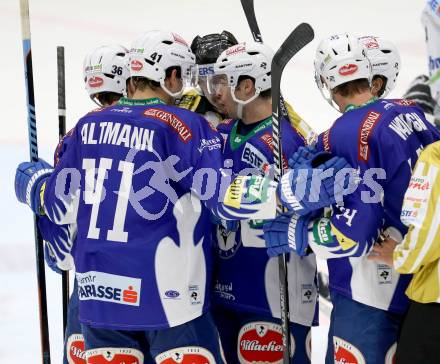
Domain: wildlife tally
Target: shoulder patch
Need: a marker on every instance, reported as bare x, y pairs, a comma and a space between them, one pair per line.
405, 102
172, 120
365, 130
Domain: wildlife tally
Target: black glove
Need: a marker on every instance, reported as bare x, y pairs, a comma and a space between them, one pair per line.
420, 92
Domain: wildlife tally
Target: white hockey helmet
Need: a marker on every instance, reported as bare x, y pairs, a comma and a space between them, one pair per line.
105, 70
155, 51
340, 59
384, 58
246, 59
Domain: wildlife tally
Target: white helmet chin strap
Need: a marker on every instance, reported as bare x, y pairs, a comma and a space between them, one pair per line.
174, 95
242, 103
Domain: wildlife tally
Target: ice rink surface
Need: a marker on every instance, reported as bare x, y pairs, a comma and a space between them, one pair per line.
82, 25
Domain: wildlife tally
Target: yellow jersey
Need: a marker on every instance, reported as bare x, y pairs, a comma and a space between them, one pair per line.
419, 252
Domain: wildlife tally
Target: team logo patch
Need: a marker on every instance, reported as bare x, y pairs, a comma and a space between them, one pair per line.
261, 342
348, 69
136, 65
346, 353
365, 130
390, 358
107, 287
227, 244
75, 349
173, 121
114, 356
186, 355
95, 81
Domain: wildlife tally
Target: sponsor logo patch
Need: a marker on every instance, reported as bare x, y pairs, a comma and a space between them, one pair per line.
172, 120
239, 48
346, 353
114, 356
261, 342
95, 81
268, 140
384, 274
210, 144
254, 157
75, 349
326, 140
348, 69
224, 290
136, 65
404, 102
306, 293
186, 355
108, 288
172, 294
365, 130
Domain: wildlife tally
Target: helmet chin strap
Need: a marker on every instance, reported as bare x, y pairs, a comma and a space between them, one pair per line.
242, 103
174, 95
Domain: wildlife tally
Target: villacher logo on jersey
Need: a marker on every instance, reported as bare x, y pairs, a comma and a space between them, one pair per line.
109, 288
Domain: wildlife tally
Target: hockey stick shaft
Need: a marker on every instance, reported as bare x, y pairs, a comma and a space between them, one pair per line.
61, 133
33, 150
298, 38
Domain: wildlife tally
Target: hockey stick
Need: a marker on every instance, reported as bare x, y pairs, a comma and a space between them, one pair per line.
249, 12
61, 133
33, 149
301, 36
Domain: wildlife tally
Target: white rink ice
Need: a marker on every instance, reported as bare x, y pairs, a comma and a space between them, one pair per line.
81, 25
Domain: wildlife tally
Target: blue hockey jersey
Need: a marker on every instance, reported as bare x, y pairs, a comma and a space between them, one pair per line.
246, 277
382, 140
140, 179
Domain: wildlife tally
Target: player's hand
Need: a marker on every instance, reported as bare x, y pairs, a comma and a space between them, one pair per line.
383, 252
58, 244
316, 183
419, 91
287, 233
29, 178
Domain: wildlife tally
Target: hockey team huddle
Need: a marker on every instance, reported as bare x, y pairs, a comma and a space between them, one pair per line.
163, 202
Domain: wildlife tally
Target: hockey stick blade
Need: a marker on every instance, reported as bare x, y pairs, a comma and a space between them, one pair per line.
302, 35
249, 11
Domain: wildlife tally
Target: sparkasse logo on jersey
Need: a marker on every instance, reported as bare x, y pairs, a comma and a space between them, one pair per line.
107, 287
348, 69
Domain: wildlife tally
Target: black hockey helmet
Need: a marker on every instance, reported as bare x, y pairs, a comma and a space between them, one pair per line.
209, 47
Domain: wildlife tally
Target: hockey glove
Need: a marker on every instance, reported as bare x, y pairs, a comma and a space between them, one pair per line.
287, 233
29, 179
315, 184
419, 91
58, 244
302, 156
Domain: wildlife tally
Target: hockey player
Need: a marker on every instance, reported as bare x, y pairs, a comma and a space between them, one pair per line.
382, 139
142, 179
385, 64
246, 291
425, 89
105, 75
206, 50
